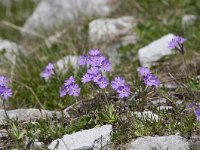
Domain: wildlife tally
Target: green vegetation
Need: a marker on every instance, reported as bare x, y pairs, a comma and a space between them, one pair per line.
156, 18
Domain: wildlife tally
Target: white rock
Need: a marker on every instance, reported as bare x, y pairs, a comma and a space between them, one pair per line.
9, 49
188, 20
172, 142
155, 51
27, 114
64, 63
51, 14
147, 115
164, 108
92, 139
107, 30
159, 101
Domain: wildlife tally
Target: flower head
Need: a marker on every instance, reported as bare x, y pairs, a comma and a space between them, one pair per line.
69, 81
96, 60
106, 65
48, 71
3, 81
197, 113
86, 78
102, 82
5, 92
63, 91
124, 91
151, 80
93, 70
83, 60
74, 90
118, 81
191, 105
177, 43
94, 52
144, 71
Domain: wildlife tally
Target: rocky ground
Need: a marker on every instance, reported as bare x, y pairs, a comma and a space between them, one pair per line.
131, 34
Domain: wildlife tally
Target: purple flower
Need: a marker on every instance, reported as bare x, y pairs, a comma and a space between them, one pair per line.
86, 78
144, 71
176, 42
102, 82
93, 70
97, 78
197, 113
74, 90
5, 92
83, 60
191, 105
3, 81
106, 65
124, 91
48, 71
118, 81
96, 61
69, 81
64, 91
151, 80
94, 52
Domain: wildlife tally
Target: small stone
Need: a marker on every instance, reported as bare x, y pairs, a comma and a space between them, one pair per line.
153, 52
107, 30
188, 20
159, 101
172, 142
179, 102
36, 144
92, 139
146, 115
164, 108
25, 115
169, 86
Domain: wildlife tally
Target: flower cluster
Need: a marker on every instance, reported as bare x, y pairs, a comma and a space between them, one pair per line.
177, 43
118, 84
97, 63
70, 88
196, 110
148, 77
48, 71
5, 91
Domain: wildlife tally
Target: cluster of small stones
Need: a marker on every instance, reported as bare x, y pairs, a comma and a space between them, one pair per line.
99, 31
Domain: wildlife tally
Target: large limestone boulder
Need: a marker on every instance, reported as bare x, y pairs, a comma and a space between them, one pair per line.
92, 139
51, 14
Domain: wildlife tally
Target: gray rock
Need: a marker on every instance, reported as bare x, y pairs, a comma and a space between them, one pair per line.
153, 52
172, 142
51, 14
146, 115
3, 134
25, 115
92, 139
188, 20
164, 108
36, 144
159, 101
64, 63
9, 49
108, 30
